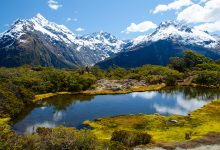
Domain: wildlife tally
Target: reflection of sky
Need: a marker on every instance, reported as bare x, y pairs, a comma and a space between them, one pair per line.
109, 105
33, 127
182, 106
145, 95
58, 115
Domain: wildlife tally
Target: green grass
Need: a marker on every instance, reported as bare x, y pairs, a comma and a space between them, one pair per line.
197, 124
47, 95
102, 92
124, 91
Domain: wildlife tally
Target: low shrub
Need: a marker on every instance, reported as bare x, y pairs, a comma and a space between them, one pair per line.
117, 146
131, 139
61, 138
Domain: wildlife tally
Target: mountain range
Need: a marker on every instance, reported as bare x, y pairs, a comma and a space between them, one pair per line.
37, 41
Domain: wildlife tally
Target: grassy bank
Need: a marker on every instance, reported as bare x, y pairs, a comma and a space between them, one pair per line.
102, 92
163, 129
47, 95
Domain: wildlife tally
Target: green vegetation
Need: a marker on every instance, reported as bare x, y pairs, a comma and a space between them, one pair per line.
61, 138
21, 87
205, 71
18, 86
150, 73
47, 139
130, 139
189, 61
161, 128
8, 139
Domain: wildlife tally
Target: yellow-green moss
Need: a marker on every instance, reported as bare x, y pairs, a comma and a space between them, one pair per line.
102, 92
47, 95
124, 91
197, 124
4, 120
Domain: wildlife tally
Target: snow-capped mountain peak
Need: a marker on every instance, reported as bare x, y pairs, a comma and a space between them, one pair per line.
64, 45
58, 32
140, 39
40, 19
41, 25
173, 24
172, 30
100, 36
103, 42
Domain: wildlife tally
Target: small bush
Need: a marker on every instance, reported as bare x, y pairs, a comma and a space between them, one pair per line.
117, 146
61, 138
130, 139
208, 78
171, 80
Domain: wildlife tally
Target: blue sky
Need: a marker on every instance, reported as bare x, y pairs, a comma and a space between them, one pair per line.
112, 16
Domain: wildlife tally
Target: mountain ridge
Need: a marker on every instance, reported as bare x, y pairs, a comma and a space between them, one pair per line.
58, 40
37, 41
170, 39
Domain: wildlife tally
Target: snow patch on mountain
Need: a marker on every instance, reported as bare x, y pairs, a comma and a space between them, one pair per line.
42, 25
181, 33
103, 44
103, 40
59, 32
140, 39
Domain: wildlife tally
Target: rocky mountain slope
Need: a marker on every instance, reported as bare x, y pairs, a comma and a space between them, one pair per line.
168, 40
37, 41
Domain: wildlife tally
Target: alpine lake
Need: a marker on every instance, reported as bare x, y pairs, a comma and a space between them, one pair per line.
73, 110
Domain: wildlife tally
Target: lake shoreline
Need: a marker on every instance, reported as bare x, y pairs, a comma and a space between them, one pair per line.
99, 91
104, 87
201, 125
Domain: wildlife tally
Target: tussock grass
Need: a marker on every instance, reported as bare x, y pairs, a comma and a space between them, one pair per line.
198, 124
124, 91
102, 92
47, 95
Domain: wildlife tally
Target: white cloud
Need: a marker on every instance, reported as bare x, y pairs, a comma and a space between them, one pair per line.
175, 5
53, 4
197, 13
141, 27
80, 30
210, 27
75, 19
70, 19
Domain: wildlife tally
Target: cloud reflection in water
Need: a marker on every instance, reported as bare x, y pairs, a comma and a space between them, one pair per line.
34, 127
182, 106
144, 95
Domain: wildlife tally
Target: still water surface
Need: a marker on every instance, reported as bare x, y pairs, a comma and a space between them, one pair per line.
72, 110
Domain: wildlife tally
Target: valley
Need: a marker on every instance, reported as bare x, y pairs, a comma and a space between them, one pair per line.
63, 90
152, 102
